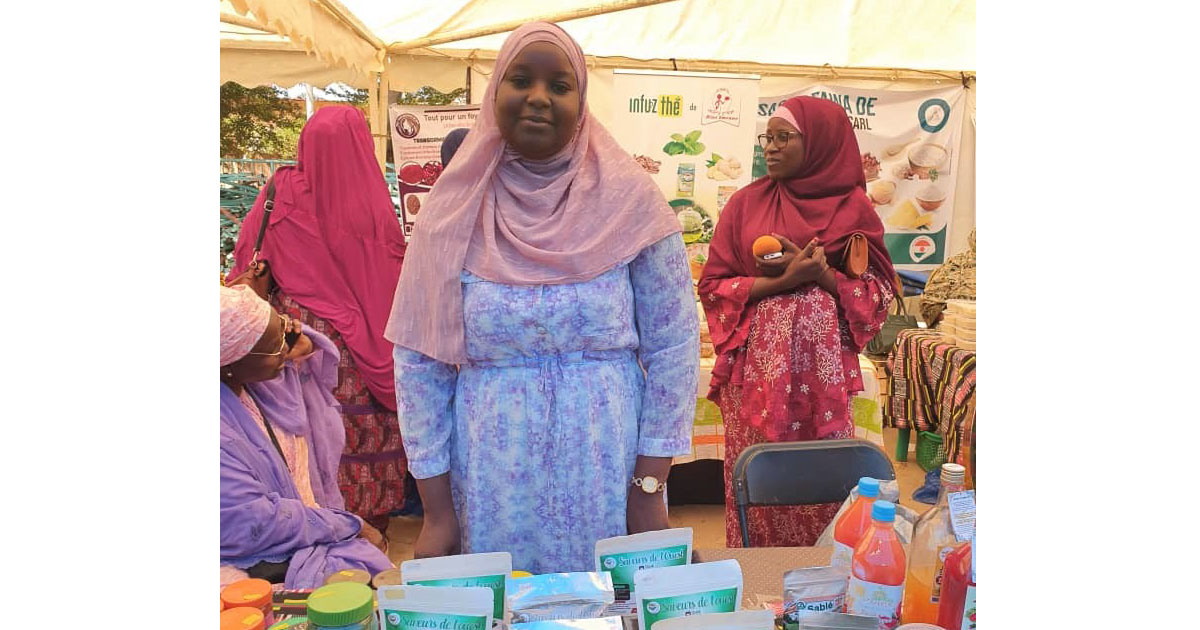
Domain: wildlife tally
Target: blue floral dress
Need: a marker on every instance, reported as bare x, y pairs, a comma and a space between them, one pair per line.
566, 385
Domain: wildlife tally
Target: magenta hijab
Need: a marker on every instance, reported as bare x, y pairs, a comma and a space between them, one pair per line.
515, 221
334, 243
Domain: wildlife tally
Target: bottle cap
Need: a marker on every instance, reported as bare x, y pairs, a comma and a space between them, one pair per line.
242, 618
953, 473
884, 511
252, 592
340, 604
868, 487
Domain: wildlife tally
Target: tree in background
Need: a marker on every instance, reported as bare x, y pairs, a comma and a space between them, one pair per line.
429, 96
259, 122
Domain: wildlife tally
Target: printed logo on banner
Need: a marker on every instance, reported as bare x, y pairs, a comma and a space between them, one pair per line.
933, 115
722, 107
666, 105
408, 125
921, 248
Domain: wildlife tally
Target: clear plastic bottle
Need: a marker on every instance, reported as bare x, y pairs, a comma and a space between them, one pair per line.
877, 572
853, 523
933, 540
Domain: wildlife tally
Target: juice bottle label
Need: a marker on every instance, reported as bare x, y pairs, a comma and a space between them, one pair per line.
843, 555
968, 620
935, 593
881, 601
409, 620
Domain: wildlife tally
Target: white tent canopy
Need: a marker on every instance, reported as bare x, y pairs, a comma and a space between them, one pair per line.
384, 45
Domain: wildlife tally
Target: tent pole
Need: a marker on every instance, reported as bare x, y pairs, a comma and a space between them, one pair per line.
377, 110
563, 16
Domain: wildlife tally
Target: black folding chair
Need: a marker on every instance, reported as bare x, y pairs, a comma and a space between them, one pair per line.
803, 473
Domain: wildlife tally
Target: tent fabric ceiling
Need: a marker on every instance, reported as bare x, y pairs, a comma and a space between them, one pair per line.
914, 34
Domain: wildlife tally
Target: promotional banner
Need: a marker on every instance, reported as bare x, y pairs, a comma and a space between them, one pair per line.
694, 133
910, 144
417, 134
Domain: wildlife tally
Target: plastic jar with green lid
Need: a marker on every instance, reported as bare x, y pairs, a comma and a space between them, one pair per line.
358, 576
389, 577
342, 606
252, 592
242, 618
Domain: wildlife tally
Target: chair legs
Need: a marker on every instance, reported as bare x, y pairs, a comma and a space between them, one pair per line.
743, 524
902, 437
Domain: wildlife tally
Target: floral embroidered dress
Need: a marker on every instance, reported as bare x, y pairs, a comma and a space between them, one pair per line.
800, 363
566, 385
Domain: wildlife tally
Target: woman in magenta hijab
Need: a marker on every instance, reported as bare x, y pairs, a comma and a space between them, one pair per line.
331, 256
545, 328
788, 331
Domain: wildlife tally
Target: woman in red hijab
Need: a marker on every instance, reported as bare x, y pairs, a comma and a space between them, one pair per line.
331, 255
787, 331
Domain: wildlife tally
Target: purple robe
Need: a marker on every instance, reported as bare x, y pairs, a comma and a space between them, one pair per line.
262, 515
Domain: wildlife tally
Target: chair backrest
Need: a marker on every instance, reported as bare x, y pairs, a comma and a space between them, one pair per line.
806, 473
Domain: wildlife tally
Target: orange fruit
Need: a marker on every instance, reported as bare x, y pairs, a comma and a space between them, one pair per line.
766, 244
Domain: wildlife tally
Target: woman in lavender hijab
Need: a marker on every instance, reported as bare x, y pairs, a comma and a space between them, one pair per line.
547, 343
281, 441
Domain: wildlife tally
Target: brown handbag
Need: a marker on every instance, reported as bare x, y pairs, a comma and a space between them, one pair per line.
857, 255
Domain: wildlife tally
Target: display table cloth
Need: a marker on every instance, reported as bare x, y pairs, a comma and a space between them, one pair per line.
932, 388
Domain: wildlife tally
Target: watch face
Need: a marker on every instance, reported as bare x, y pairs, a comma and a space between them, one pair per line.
649, 484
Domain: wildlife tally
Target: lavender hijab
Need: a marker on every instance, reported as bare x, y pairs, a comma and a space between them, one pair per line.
262, 515
515, 221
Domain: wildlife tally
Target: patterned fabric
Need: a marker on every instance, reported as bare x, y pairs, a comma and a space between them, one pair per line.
293, 447
954, 280
793, 380
932, 387
244, 319
788, 526
799, 363
371, 474
541, 429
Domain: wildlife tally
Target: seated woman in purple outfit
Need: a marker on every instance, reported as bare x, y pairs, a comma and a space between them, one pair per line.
282, 515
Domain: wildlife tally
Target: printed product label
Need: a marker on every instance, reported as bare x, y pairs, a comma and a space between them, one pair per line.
935, 593
962, 514
875, 600
968, 620
843, 555
494, 582
409, 620
660, 608
622, 566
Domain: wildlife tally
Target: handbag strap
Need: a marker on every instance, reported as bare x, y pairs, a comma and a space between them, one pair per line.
268, 207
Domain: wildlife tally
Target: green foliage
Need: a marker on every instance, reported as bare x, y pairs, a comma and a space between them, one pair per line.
258, 122
429, 96
688, 144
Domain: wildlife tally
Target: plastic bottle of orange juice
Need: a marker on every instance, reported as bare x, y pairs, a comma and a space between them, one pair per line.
853, 524
933, 539
877, 571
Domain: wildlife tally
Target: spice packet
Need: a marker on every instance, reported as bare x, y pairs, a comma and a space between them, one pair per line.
554, 596
412, 607
476, 569
623, 556
692, 589
813, 589
742, 620
602, 623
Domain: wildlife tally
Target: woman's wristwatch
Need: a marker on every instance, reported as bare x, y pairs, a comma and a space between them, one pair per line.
649, 484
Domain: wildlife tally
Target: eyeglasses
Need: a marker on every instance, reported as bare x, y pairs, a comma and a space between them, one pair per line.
780, 139
285, 344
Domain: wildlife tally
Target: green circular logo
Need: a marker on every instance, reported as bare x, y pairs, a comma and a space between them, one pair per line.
933, 115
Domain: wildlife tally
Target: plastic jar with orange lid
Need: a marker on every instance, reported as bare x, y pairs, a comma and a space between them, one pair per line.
253, 593
242, 618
